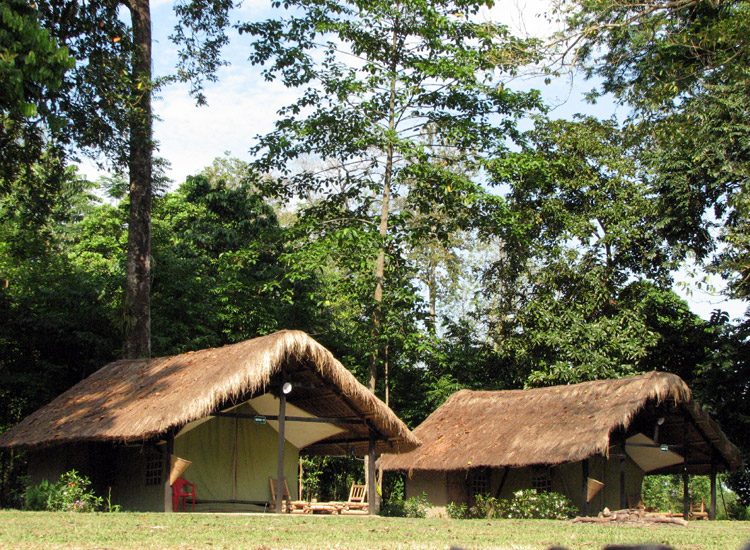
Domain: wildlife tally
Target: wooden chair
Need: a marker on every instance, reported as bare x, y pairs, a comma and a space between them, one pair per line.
288, 505
357, 503
182, 490
698, 510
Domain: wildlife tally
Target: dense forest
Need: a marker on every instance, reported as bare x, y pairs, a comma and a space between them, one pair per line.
431, 225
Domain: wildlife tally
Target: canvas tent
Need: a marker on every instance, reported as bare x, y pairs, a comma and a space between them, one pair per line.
239, 414
600, 436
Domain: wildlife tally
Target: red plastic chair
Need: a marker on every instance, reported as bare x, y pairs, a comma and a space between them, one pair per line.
179, 492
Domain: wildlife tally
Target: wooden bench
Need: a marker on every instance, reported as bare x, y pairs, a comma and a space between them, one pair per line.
288, 505
698, 510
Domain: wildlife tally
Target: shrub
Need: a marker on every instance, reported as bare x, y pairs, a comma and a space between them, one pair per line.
487, 507
393, 508
735, 510
529, 504
457, 510
37, 497
70, 494
416, 507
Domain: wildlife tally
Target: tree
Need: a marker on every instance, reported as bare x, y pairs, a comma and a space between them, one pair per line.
106, 101
586, 271
32, 67
221, 275
374, 78
682, 67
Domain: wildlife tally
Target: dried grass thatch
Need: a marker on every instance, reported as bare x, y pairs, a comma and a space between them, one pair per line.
561, 424
137, 400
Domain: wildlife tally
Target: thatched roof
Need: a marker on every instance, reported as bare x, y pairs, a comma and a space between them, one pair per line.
564, 424
143, 399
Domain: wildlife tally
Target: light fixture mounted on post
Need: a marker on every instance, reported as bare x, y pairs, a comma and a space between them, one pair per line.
286, 388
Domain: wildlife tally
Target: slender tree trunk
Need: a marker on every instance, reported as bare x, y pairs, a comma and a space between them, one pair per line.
138, 267
377, 317
432, 296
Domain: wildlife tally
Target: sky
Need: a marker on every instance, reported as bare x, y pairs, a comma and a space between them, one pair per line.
242, 105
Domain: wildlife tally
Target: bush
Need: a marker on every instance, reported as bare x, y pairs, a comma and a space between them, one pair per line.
70, 494
395, 508
37, 497
529, 504
416, 507
736, 511
457, 510
487, 507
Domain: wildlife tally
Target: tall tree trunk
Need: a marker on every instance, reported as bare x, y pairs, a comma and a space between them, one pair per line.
377, 317
138, 267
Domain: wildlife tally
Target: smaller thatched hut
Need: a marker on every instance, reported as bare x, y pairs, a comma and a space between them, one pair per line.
593, 442
240, 414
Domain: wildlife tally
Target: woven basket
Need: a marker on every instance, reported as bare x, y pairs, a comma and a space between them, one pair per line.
594, 487
177, 468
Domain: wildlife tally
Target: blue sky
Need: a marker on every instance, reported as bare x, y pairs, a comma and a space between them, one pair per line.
243, 105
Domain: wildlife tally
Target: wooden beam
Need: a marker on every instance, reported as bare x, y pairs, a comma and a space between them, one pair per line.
712, 506
623, 463
685, 495
322, 420
282, 441
371, 485
686, 480
502, 482
585, 487
168, 452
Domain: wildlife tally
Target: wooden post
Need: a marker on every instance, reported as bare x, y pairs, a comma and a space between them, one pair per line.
623, 490
371, 485
685, 494
168, 452
712, 506
502, 482
282, 441
585, 487
686, 478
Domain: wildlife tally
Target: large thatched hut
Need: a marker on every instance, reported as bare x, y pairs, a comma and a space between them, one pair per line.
240, 414
593, 442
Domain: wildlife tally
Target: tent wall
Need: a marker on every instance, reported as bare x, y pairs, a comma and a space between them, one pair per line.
232, 459
444, 487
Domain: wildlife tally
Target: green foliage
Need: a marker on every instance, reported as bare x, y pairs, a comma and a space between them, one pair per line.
392, 499
486, 506
525, 504
584, 290
72, 493
416, 507
38, 497
32, 66
397, 132
329, 478
737, 511
529, 504
683, 69
457, 510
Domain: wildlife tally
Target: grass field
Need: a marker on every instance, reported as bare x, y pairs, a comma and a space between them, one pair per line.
37, 530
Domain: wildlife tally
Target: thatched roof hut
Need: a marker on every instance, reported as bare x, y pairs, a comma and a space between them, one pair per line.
131, 401
562, 424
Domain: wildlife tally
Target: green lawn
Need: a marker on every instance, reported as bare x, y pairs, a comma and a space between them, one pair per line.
37, 530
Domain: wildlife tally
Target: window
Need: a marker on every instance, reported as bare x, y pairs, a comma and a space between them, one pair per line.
480, 484
154, 467
541, 480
